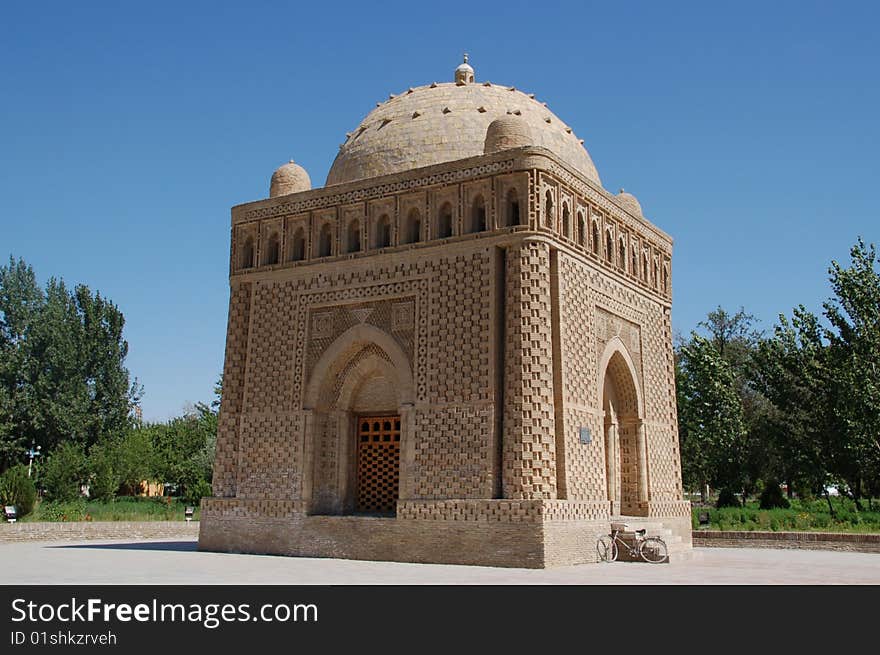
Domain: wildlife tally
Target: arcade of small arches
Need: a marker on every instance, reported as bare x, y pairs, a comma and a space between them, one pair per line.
647, 269
578, 222
384, 233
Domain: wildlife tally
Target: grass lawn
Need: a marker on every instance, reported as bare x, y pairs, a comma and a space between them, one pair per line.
802, 516
124, 508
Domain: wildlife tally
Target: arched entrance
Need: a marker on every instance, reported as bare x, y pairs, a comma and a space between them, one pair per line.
360, 397
626, 471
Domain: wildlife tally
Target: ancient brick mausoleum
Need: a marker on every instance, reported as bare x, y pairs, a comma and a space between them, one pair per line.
458, 350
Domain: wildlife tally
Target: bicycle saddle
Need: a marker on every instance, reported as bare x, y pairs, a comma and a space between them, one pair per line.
642, 531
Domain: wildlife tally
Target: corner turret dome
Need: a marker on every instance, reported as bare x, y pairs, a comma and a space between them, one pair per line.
289, 178
629, 202
508, 131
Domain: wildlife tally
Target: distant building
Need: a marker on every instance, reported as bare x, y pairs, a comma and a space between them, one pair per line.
458, 350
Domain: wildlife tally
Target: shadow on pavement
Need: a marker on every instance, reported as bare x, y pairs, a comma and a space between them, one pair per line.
156, 545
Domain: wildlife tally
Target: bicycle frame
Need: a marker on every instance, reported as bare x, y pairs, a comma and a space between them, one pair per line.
634, 551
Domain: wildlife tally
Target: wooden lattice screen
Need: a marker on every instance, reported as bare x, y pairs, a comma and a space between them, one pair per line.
378, 463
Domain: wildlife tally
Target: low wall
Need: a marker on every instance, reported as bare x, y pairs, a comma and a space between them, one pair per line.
862, 543
82, 530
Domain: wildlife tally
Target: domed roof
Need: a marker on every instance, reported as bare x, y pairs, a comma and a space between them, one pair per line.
289, 178
629, 202
444, 122
508, 131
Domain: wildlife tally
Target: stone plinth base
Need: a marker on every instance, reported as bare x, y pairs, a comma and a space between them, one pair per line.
522, 534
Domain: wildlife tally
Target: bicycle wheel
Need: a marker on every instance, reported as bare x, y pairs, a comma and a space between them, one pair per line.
653, 550
607, 549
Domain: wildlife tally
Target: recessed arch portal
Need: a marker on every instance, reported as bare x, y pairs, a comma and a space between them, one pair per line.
624, 431
364, 374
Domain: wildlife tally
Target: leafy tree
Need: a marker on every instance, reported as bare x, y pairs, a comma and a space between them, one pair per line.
735, 338
102, 473
16, 488
134, 460
20, 303
62, 373
65, 470
710, 417
732, 335
790, 369
854, 314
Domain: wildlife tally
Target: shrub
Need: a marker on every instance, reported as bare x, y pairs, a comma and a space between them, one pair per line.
16, 488
771, 497
64, 472
63, 511
103, 481
195, 492
726, 498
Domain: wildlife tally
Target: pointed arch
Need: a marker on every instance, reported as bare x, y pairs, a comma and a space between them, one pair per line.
273, 250
617, 351
298, 245
325, 241
383, 232
478, 215
548, 209
512, 212
444, 221
412, 232
353, 238
350, 343
247, 253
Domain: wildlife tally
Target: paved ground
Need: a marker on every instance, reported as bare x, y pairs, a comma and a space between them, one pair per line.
178, 562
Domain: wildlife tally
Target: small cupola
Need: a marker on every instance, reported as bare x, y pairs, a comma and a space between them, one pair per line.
464, 74
289, 178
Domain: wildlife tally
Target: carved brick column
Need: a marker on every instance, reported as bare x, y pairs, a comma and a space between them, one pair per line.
529, 440
237, 330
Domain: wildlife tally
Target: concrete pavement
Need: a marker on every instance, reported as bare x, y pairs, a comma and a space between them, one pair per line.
178, 562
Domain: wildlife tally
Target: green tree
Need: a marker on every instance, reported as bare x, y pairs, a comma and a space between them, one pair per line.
21, 301
65, 470
102, 472
791, 369
735, 338
854, 315
16, 488
710, 417
62, 373
134, 460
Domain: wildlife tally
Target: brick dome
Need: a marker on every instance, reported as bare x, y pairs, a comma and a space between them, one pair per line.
509, 131
289, 178
443, 122
629, 202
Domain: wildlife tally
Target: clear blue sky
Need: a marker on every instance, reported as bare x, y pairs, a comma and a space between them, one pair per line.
750, 132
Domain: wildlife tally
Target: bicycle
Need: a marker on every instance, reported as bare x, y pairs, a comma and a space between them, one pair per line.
650, 549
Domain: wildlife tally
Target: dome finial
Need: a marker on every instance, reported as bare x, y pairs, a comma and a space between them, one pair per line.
464, 74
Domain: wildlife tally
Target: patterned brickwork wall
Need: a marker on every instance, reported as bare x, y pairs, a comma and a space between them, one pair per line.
233, 389
395, 317
453, 447
653, 359
585, 463
270, 461
510, 511
596, 308
271, 348
529, 467
664, 459
458, 329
